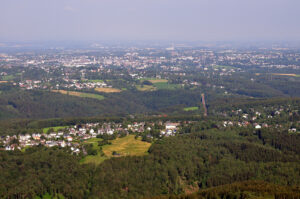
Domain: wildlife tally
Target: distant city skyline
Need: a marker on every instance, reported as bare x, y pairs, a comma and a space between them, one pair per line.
136, 20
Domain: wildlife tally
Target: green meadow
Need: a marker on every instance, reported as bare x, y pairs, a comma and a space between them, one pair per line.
55, 128
8, 77
166, 86
193, 108
126, 146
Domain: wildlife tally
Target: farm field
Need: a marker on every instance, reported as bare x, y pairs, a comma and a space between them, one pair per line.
80, 94
281, 74
153, 81
193, 108
286, 74
126, 146
108, 90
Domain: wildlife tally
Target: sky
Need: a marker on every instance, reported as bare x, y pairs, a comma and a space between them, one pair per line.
182, 20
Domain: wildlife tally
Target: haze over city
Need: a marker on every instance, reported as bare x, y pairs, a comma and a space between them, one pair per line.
152, 99
189, 20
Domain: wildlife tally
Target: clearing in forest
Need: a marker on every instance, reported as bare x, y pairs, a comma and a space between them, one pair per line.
153, 81
55, 128
95, 80
286, 74
80, 94
193, 108
126, 146
8, 77
280, 74
145, 88
108, 90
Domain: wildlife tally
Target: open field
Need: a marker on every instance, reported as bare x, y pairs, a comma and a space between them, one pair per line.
286, 74
166, 86
153, 81
95, 80
282, 74
80, 94
158, 85
126, 146
145, 88
193, 108
108, 90
55, 128
8, 77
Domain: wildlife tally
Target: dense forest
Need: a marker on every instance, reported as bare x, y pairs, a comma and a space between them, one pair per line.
44, 104
245, 189
206, 159
219, 109
38, 104
175, 165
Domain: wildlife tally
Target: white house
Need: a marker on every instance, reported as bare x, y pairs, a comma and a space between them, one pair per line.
257, 126
171, 126
70, 139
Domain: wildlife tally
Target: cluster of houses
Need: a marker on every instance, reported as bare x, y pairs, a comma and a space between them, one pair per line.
258, 119
31, 84
73, 83
74, 135
69, 83
170, 129
244, 124
64, 137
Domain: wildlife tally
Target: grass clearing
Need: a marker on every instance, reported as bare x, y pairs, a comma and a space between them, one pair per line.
126, 146
55, 128
24, 149
193, 108
80, 94
153, 81
8, 77
108, 90
286, 74
160, 84
95, 80
145, 88
166, 86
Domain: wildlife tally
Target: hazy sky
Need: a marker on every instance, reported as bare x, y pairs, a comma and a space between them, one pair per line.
202, 20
